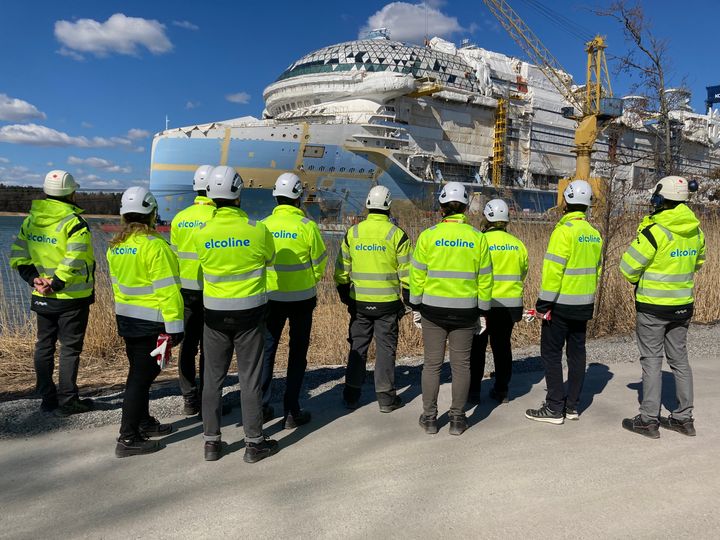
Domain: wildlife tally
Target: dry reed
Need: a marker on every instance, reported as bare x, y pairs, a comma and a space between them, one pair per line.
104, 363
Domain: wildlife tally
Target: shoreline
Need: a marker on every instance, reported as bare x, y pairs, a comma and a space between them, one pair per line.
113, 217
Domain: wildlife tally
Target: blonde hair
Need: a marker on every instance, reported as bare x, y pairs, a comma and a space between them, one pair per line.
144, 226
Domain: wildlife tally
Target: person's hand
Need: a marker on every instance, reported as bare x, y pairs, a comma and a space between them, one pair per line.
480, 325
42, 285
417, 319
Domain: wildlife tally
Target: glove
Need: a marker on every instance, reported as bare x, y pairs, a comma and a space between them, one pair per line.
480, 325
417, 319
529, 315
176, 339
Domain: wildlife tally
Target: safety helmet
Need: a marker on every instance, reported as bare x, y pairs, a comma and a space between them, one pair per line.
137, 200
578, 192
59, 184
453, 191
496, 210
378, 199
672, 188
200, 180
288, 185
224, 183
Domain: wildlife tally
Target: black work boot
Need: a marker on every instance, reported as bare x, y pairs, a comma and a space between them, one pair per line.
394, 405
135, 446
75, 406
500, 397
48, 405
429, 424
351, 397
254, 452
686, 427
293, 420
153, 428
647, 429
458, 424
213, 450
191, 405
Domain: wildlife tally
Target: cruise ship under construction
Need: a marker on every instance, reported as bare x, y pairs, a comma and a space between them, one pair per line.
377, 111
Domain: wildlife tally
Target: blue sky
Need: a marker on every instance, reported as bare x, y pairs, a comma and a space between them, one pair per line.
85, 83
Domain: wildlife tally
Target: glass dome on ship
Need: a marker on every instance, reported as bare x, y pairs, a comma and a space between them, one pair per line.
376, 111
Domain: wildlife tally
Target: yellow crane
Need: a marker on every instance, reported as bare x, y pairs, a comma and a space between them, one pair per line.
591, 107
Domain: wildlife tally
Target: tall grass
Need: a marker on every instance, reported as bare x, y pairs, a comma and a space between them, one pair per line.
104, 359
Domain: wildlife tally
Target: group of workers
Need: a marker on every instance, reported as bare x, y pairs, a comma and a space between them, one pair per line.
227, 283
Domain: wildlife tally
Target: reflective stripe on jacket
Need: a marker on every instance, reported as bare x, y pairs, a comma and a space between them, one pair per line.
182, 230
510, 265
663, 259
300, 255
234, 253
572, 266
374, 257
57, 241
146, 281
451, 267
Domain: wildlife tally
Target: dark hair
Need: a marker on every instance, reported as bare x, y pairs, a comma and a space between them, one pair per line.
202, 192
453, 207
287, 200
378, 211
221, 203
64, 198
577, 208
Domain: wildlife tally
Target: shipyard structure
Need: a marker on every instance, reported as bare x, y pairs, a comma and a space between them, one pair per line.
377, 111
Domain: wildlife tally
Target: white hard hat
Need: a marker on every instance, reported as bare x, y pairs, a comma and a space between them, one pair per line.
224, 183
59, 184
674, 188
137, 200
578, 192
453, 191
496, 210
288, 185
378, 199
200, 180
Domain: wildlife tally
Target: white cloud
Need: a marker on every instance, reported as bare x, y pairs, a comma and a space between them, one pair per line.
406, 22
93, 181
192, 105
138, 133
18, 110
37, 135
240, 97
119, 34
187, 25
20, 174
99, 163
4, 160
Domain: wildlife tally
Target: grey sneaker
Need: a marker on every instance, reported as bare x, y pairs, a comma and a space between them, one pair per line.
686, 427
390, 407
545, 414
458, 424
429, 424
647, 429
571, 413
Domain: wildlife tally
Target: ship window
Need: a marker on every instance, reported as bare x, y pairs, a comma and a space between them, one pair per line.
314, 151
311, 167
342, 169
295, 136
371, 171
321, 168
352, 169
361, 171
331, 169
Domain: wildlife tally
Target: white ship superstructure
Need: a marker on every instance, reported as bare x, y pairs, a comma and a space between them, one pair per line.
377, 111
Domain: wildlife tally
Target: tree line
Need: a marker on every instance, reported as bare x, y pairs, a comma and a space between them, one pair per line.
19, 199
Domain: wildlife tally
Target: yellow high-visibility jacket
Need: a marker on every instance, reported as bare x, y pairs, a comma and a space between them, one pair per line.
54, 242
146, 284
571, 269
662, 261
510, 265
300, 255
451, 270
183, 228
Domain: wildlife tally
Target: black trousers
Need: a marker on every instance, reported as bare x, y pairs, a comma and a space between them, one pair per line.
299, 315
194, 322
363, 328
142, 373
68, 327
556, 334
499, 331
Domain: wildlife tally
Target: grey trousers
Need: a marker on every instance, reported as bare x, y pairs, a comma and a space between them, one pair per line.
460, 342
658, 338
219, 347
362, 329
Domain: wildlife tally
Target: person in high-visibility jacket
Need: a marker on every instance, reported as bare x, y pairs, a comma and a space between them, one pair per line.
300, 259
451, 287
53, 253
372, 278
234, 253
570, 274
661, 262
182, 231
146, 286
510, 265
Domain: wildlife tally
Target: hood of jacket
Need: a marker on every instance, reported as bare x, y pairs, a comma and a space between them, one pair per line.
46, 212
679, 220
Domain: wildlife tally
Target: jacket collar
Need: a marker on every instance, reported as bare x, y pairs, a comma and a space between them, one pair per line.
229, 210
203, 201
288, 209
572, 216
455, 218
378, 217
